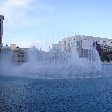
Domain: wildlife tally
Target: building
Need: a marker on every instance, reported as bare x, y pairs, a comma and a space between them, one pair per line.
1, 30
13, 46
16, 55
5, 49
19, 55
6, 54
84, 45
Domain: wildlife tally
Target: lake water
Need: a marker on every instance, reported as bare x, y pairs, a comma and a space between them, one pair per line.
19, 94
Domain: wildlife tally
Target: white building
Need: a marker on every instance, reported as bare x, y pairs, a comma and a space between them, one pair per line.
83, 45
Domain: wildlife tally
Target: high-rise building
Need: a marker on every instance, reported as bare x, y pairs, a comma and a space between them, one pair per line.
1, 30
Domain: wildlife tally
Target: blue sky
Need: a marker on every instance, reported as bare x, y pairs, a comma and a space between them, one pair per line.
43, 22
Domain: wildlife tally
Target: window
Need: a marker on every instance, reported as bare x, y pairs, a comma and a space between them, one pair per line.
79, 44
22, 55
18, 56
104, 41
22, 60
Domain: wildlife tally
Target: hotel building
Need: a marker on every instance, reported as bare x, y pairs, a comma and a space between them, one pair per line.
83, 45
1, 30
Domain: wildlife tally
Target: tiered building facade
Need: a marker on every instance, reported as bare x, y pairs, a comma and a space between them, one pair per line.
84, 45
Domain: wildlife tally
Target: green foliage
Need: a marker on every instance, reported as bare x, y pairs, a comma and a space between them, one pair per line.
105, 57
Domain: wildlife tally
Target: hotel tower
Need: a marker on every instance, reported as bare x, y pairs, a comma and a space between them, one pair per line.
1, 30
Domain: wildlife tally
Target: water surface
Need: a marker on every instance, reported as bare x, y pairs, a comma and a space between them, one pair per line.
55, 95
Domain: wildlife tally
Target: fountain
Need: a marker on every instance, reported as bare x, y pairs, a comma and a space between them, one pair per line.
54, 64
58, 65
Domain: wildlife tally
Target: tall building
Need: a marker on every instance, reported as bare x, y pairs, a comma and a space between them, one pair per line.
1, 30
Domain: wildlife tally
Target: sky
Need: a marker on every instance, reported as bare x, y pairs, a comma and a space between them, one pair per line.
44, 22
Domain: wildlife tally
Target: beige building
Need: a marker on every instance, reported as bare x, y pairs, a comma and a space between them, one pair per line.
13, 46
19, 55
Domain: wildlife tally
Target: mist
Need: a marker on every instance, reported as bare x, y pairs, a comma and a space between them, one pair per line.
41, 64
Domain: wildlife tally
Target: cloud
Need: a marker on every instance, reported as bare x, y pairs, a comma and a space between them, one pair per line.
19, 11
13, 9
24, 14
